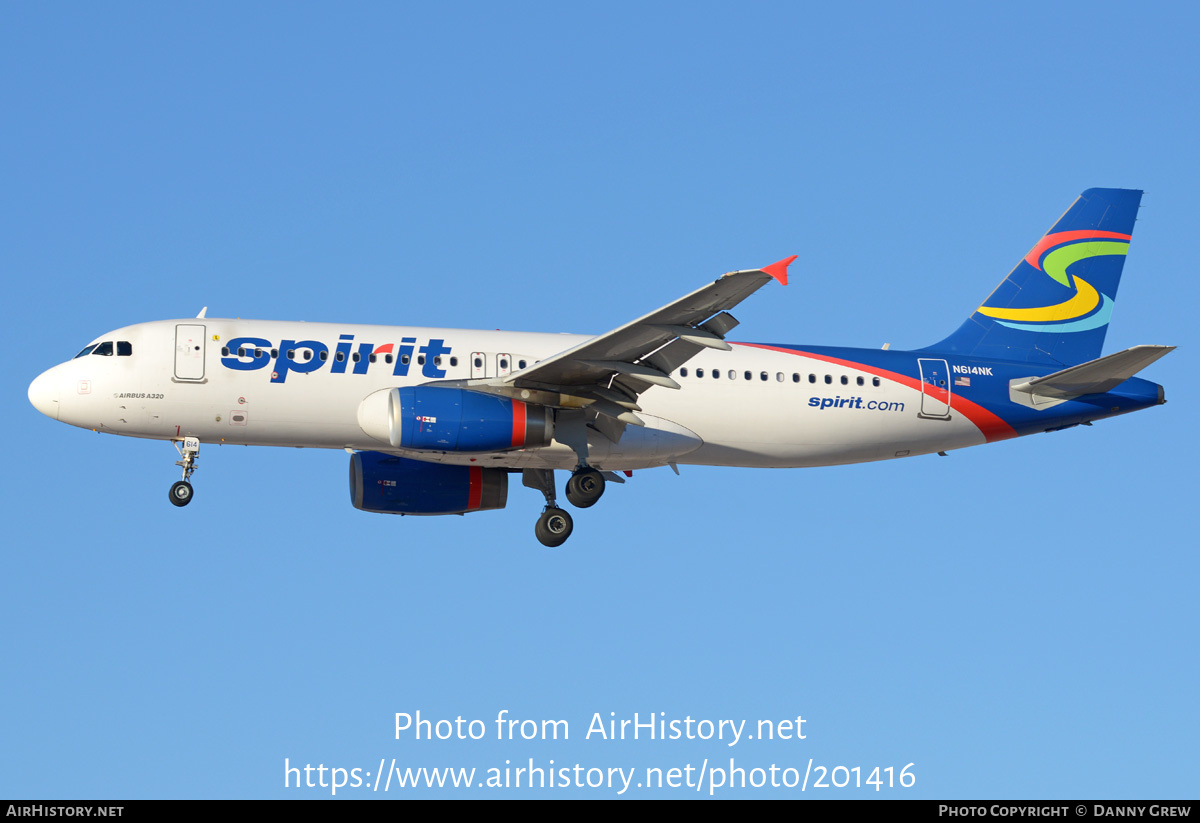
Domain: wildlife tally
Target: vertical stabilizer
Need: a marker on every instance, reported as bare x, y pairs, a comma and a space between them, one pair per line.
1054, 307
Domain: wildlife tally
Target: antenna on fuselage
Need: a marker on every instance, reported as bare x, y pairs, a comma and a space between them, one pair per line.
201, 314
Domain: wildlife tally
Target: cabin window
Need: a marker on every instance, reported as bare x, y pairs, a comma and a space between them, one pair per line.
861, 382
795, 377
716, 374
387, 358
371, 358
828, 379
124, 348
732, 374
503, 362
521, 365
356, 357
682, 372
778, 377
307, 354
845, 380
748, 375
699, 372
275, 354
437, 360
340, 356
453, 361
762, 375
291, 354
875, 382
420, 360
324, 356
404, 359
224, 351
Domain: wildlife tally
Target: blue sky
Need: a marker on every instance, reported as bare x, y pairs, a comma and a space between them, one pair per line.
1017, 620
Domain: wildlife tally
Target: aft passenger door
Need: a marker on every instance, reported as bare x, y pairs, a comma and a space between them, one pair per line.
935, 389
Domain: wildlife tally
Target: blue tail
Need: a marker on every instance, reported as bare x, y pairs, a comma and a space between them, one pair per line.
1054, 307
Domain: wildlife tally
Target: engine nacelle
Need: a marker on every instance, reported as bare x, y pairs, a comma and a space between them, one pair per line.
434, 418
396, 485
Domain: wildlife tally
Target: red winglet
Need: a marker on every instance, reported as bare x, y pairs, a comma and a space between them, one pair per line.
779, 270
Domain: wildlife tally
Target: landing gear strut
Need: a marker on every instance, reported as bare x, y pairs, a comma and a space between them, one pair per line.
585, 487
181, 491
554, 526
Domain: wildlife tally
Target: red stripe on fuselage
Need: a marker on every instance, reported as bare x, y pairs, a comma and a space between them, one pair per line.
476, 491
989, 424
518, 433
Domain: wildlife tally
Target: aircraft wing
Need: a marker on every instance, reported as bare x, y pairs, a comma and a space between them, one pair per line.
607, 373
604, 375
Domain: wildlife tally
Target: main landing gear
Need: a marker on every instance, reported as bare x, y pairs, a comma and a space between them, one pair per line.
554, 526
181, 491
584, 488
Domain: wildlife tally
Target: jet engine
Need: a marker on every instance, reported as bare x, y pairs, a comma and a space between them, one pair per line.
397, 485
434, 418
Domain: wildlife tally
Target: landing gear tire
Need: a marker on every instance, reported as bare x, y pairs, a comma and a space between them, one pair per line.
553, 528
585, 487
181, 493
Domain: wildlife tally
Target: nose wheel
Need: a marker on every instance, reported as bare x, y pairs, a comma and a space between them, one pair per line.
189, 452
181, 493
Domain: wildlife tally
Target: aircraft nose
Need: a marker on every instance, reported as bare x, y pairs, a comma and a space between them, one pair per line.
43, 394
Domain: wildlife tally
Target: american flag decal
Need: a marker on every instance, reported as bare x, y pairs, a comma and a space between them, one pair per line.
962, 381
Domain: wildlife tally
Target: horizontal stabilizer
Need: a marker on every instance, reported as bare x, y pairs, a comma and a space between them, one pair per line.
1093, 377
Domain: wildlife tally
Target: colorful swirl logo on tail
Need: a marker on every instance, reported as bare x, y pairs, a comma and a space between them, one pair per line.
1053, 255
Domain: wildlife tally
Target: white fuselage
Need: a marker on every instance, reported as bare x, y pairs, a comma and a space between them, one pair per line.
182, 378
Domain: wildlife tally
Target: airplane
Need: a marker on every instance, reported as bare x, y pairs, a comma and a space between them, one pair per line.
435, 420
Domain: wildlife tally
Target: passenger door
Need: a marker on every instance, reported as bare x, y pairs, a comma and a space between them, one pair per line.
189, 353
935, 389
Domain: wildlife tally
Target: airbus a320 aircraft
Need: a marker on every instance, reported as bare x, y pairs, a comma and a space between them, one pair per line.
436, 420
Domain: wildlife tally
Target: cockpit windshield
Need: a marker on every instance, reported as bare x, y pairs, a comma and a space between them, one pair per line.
105, 349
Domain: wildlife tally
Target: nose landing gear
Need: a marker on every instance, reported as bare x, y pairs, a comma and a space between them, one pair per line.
181, 491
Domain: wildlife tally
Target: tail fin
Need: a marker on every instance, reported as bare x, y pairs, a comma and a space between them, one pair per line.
1054, 307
